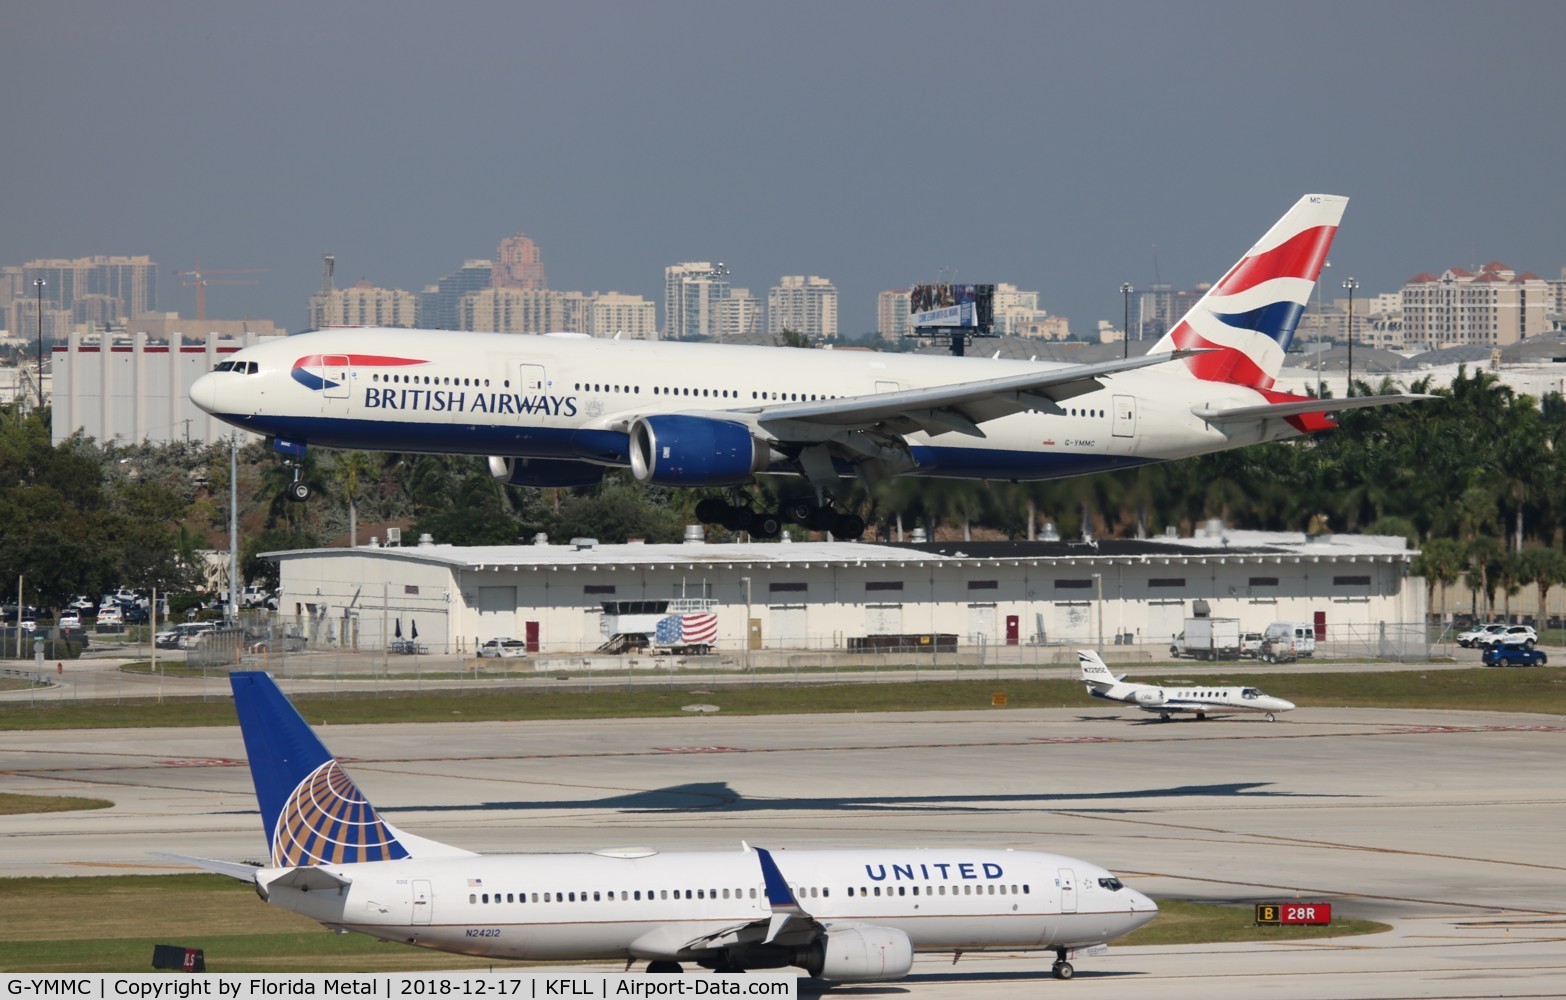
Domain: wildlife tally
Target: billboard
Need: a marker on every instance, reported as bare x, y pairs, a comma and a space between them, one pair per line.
945, 306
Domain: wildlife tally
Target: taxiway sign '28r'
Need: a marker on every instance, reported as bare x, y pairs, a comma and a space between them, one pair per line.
561, 409
845, 915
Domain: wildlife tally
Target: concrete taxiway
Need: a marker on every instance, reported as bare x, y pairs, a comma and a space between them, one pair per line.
1446, 825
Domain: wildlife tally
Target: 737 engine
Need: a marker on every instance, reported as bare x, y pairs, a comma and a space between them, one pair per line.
858, 954
677, 450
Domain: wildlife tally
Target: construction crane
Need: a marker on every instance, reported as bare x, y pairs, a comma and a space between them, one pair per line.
200, 278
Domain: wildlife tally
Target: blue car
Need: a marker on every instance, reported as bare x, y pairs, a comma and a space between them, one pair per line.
1514, 656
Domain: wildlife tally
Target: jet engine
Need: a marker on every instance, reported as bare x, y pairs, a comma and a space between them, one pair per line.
677, 450
858, 954
1150, 697
543, 471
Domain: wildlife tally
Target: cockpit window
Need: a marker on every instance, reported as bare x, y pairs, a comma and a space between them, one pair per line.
1249, 693
242, 367
225, 366
1111, 883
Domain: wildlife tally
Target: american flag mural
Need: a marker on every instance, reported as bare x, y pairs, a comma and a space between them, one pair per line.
687, 630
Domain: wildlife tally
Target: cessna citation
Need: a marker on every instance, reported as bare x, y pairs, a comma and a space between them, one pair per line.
1200, 701
843, 915
561, 409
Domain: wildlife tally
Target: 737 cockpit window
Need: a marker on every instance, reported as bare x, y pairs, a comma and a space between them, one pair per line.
1112, 884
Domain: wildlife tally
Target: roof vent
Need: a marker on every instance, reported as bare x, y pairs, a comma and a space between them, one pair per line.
584, 543
695, 534
426, 541
541, 539
916, 536
1214, 527
1171, 531
375, 543
1049, 533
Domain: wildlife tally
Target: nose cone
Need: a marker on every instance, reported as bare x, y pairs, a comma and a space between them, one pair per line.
204, 393
1284, 705
1143, 909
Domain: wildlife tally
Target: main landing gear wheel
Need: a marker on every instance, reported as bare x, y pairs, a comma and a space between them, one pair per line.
1062, 968
298, 491
663, 965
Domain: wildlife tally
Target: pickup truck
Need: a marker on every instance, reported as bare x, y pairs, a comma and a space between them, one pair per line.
1514, 656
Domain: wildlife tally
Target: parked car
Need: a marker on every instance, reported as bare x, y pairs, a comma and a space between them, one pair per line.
253, 596
290, 642
503, 647
1250, 645
1515, 635
70, 619
1479, 635
1514, 656
81, 603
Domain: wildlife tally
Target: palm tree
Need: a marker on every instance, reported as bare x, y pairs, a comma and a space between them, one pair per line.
1440, 561
1544, 568
352, 469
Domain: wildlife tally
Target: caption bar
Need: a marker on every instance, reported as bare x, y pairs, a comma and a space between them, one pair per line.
395, 986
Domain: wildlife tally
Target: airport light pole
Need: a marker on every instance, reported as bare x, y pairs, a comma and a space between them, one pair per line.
1351, 284
746, 581
1125, 323
39, 284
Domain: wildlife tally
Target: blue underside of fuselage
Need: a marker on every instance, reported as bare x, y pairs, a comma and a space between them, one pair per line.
612, 447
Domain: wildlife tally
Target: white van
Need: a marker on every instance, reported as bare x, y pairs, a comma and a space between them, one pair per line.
1301, 634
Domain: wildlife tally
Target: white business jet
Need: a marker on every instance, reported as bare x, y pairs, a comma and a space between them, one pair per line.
1201, 700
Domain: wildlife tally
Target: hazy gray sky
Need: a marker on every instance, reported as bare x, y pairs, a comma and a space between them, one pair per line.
874, 143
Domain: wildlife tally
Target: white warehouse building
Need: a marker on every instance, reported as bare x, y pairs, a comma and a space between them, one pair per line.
820, 595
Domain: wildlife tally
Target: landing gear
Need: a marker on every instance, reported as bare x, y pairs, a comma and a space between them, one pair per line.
1271, 717
1062, 969
298, 490
663, 965
824, 516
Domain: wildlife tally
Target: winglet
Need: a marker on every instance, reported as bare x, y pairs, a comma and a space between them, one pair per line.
780, 897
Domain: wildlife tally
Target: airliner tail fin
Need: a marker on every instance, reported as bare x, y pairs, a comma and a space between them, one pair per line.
311, 810
1250, 315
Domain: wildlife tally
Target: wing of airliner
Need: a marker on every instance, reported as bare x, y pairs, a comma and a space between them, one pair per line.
958, 407
1299, 407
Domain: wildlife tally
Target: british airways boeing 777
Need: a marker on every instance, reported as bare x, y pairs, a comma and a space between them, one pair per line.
561, 409
846, 915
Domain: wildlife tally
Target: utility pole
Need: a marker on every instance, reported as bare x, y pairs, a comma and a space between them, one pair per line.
1351, 284
39, 284
1125, 324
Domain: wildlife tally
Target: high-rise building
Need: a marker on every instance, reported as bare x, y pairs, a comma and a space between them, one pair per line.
438, 302
893, 314
519, 264
692, 293
806, 305
121, 288
1493, 306
520, 310
1017, 311
363, 305
628, 316
1159, 307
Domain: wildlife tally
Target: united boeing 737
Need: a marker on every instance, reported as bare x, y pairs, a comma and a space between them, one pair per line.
843, 915
561, 409
1198, 700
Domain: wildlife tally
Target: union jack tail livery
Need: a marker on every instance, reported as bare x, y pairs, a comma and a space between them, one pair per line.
1247, 319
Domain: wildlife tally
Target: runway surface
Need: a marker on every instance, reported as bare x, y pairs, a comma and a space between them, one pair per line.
1447, 825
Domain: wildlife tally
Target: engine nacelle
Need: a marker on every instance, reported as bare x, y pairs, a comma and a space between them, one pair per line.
1149, 697
858, 954
676, 450
543, 471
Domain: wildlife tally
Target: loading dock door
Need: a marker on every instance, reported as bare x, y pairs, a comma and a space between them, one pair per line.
497, 610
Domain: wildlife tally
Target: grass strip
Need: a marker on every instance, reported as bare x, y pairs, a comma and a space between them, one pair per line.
110, 923
13, 804
1479, 689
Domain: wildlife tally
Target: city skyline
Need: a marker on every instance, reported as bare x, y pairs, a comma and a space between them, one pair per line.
1083, 146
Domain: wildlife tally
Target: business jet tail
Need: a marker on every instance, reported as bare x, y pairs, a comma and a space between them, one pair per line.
1248, 318
311, 811
1094, 672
